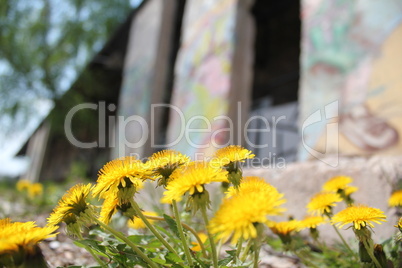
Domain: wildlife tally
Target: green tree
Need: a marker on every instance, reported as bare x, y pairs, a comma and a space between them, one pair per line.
45, 43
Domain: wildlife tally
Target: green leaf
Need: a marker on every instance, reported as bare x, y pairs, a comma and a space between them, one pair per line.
99, 232
224, 261
138, 239
173, 258
173, 239
153, 246
160, 261
231, 253
201, 263
172, 224
101, 250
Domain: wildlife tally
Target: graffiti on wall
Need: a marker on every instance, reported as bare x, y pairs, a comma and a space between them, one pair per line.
351, 56
202, 75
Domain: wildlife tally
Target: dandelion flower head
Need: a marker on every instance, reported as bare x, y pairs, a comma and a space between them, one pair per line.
323, 202
284, 227
120, 173
109, 208
253, 184
358, 215
196, 245
163, 163
350, 190
191, 179
395, 199
23, 185
399, 226
15, 236
230, 154
35, 189
72, 205
238, 214
311, 222
337, 183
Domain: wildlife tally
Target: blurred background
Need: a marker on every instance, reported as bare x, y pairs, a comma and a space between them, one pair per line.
45, 46
295, 80
312, 87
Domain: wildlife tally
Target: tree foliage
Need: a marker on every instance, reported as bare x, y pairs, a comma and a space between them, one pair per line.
45, 43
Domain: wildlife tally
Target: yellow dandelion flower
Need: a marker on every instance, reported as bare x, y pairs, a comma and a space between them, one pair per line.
4, 222
120, 173
284, 227
192, 179
253, 184
337, 183
73, 205
230, 154
398, 237
396, 199
399, 225
196, 245
323, 202
350, 190
239, 214
35, 190
22, 236
311, 222
109, 208
163, 163
23, 185
137, 223
360, 216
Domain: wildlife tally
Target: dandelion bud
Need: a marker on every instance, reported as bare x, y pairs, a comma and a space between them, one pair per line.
363, 254
197, 201
380, 255
235, 177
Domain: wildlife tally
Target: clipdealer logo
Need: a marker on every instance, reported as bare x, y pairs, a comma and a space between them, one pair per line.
144, 130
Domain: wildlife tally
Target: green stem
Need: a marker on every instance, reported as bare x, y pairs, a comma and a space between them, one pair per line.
256, 251
181, 233
218, 249
246, 250
210, 237
370, 253
188, 228
128, 242
344, 241
239, 244
99, 260
152, 228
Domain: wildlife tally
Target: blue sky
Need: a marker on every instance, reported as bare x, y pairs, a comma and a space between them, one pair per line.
10, 143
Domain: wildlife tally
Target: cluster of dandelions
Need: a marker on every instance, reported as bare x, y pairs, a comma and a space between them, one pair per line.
245, 211
242, 215
358, 217
29, 189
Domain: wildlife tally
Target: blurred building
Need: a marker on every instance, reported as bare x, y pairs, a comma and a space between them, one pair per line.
290, 80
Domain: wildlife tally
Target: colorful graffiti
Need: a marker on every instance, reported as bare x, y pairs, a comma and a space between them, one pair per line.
351, 57
202, 75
